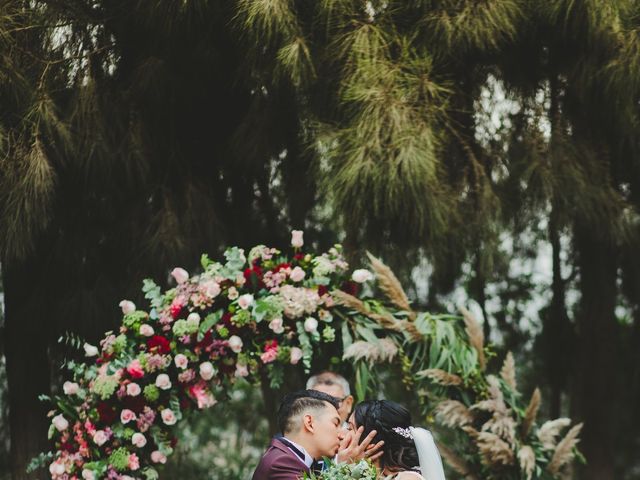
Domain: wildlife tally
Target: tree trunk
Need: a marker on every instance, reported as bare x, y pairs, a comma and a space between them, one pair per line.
593, 393
28, 373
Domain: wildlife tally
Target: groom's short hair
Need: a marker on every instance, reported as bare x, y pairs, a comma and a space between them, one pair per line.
295, 404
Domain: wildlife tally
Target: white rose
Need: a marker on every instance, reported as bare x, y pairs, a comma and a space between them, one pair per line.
90, 350
181, 361
194, 318
207, 371
60, 423
276, 325
180, 274
100, 438
311, 325
127, 306
139, 440
70, 388
56, 468
362, 275
297, 274
133, 389
88, 474
245, 301
146, 330
232, 293
235, 343
296, 355
296, 238
163, 382
168, 417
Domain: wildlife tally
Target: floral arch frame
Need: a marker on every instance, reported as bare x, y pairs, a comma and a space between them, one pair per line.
117, 417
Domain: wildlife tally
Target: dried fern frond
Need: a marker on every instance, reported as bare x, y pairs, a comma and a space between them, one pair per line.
455, 462
531, 413
379, 352
527, 461
476, 336
565, 451
440, 376
452, 413
508, 372
390, 285
494, 450
550, 430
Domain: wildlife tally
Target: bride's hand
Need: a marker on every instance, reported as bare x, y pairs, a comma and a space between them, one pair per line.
353, 450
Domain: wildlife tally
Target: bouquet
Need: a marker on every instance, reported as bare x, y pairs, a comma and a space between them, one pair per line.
362, 470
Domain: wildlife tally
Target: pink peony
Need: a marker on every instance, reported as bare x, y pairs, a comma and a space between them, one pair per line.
127, 415
297, 274
296, 238
296, 355
127, 306
133, 389
135, 369
134, 462
207, 371
100, 438
163, 382
168, 417
70, 388
139, 440
146, 330
276, 325
181, 361
235, 343
180, 274
245, 301
158, 457
60, 423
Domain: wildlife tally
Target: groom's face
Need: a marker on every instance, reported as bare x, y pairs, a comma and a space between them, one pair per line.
327, 432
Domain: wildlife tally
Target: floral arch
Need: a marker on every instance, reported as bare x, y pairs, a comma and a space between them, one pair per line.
255, 313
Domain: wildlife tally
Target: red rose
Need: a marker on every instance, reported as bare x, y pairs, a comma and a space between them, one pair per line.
271, 345
281, 266
159, 344
322, 289
350, 287
253, 276
298, 256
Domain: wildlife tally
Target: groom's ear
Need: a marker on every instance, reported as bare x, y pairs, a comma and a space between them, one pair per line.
307, 422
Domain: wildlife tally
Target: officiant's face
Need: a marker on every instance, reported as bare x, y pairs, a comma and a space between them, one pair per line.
346, 401
327, 432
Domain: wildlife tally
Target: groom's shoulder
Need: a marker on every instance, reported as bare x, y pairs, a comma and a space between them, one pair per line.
278, 462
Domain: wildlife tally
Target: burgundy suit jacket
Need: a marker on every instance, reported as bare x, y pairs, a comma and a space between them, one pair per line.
280, 463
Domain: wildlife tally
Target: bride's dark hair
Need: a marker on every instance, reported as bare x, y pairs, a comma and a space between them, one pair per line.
383, 416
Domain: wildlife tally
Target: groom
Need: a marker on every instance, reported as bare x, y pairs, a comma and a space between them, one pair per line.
312, 429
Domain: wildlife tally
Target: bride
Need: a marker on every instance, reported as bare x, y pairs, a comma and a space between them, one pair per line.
409, 453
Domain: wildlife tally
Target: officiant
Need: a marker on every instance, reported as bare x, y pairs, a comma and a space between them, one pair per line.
337, 386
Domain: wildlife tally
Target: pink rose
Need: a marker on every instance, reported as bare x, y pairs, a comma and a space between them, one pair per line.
60, 423
276, 325
133, 389
139, 440
56, 468
100, 438
70, 388
88, 474
134, 462
158, 457
296, 355
245, 301
297, 274
207, 371
135, 369
127, 416
168, 417
146, 330
362, 275
181, 361
296, 238
203, 396
235, 343
211, 288
180, 274
163, 382
241, 370
311, 325
269, 356
127, 307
